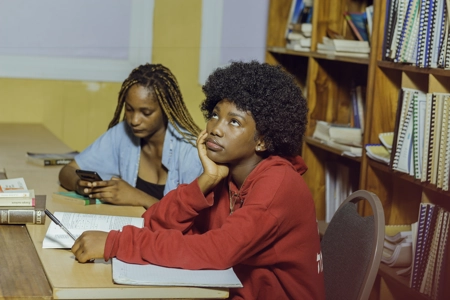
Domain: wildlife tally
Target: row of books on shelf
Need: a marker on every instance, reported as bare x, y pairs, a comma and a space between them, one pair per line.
417, 32
19, 205
299, 30
422, 137
420, 250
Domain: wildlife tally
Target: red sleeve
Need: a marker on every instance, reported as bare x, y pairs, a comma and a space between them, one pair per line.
178, 209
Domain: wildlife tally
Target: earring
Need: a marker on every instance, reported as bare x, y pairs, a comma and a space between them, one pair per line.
259, 148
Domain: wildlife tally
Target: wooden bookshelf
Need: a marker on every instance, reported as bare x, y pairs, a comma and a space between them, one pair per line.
325, 81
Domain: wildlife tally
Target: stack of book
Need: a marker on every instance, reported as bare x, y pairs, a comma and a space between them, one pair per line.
299, 27
341, 137
342, 47
19, 205
397, 250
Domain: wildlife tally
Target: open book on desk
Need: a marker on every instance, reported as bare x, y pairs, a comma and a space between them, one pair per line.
132, 274
77, 223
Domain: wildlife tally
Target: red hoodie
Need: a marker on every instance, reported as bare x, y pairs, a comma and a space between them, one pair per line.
271, 240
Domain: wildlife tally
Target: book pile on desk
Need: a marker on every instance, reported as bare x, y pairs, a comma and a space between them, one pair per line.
18, 204
51, 159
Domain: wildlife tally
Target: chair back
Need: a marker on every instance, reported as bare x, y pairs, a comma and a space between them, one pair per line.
352, 247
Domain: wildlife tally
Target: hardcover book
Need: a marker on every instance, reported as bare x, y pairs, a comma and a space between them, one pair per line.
51, 159
24, 214
18, 201
13, 187
74, 198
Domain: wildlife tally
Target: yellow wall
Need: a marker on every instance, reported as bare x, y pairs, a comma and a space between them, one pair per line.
78, 112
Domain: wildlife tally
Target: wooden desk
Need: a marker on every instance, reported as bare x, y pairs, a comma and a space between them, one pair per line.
66, 278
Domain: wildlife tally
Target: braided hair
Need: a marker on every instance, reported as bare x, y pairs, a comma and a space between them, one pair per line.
163, 83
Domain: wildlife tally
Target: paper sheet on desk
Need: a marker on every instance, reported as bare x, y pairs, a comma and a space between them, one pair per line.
77, 223
124, 273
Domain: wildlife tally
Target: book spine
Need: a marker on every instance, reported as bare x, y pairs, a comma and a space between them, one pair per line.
396, 128
432, 142
422, 35
427, 135
14, 195
418, 255
17, 202
443, 49
353, 27
416, 142
431, 33
403, 32
391, 13
22, 216
360, 101
447, 45
408, 50
56, 162
427, 282
73, 200
401, 158
355, 109
427, 239
446, 154
443, 144
400, 18
439, 274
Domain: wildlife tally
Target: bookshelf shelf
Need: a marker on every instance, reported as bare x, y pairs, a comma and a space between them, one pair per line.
401, 284
362, 61
412, 69
325, 80
319, 144
283, 50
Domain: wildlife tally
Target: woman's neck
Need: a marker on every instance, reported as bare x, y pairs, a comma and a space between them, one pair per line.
241, 171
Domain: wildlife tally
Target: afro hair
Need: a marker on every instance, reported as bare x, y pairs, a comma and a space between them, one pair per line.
270, 94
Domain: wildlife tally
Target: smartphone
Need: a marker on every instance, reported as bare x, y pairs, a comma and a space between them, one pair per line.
88, 175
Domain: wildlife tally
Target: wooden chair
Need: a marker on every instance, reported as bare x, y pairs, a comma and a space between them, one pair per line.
352, 247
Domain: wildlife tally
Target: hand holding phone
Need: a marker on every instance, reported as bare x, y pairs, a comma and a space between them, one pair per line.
90, 176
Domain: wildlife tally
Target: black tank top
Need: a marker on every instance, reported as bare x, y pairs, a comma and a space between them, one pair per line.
154, 190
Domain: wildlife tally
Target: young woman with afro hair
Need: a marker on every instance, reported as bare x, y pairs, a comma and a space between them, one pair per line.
250, 209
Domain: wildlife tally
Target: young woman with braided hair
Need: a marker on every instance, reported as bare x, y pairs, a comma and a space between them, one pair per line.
146, 155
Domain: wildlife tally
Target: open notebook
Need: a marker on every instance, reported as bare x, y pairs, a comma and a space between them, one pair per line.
132, 274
